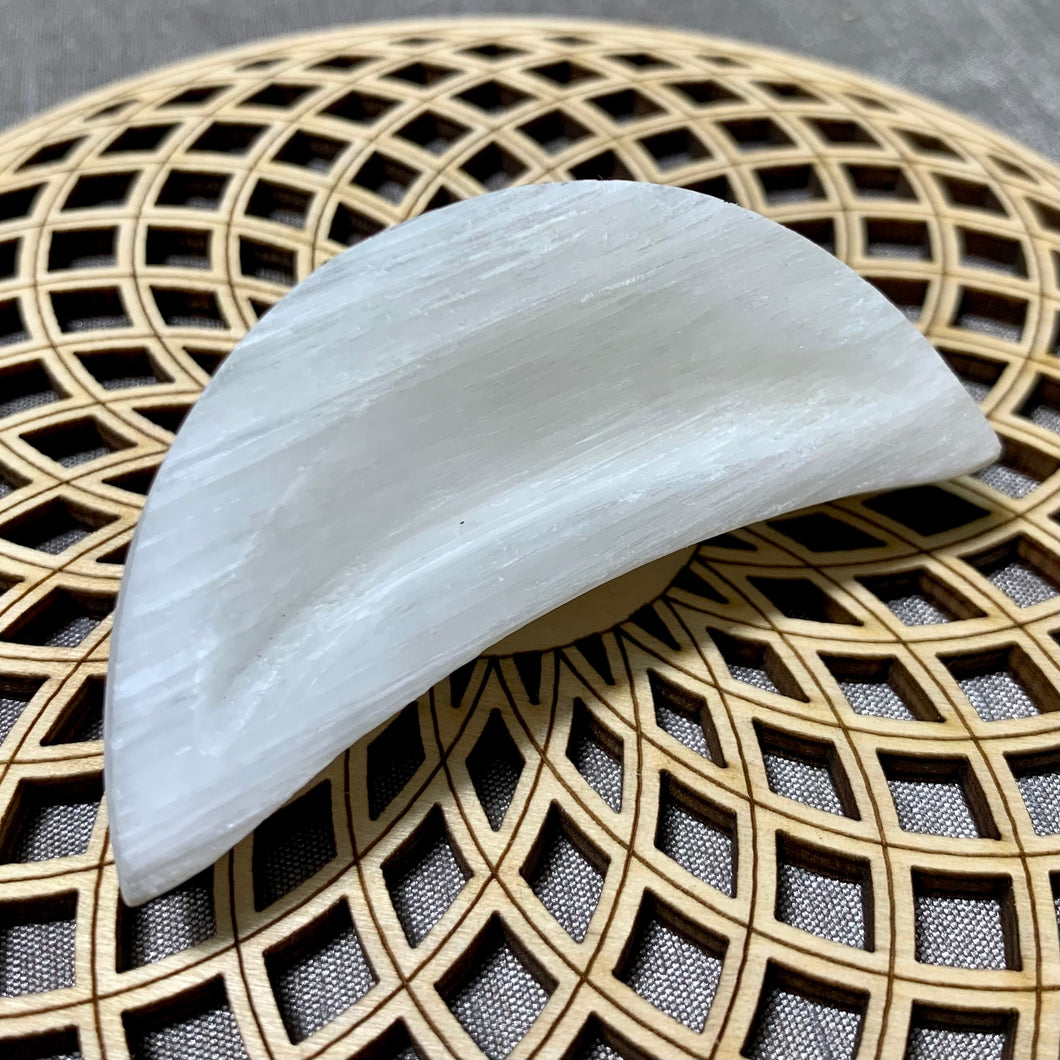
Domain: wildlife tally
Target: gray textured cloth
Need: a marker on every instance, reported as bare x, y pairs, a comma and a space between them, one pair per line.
568, 884
500, 999
960, 931
934, 807
995, 62
790, 1026
672, 972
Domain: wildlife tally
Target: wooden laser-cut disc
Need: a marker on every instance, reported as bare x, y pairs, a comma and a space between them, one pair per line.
888, 661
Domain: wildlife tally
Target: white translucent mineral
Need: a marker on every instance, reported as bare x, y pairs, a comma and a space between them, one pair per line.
455, 427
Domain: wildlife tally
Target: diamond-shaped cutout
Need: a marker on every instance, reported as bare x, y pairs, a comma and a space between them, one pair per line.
422, 73
37, 942
193, 190
819, 230
1003, 684
292, 845
970, 1035
927, 143
15, 695
684, 714
674, 148
138, 481
495, 765
26, 386
360, 108
89, 309
194, 1022
194, 97
311, 151
673, 963
977, 374
699, 835
208, 360
51, 818
12, 324
970, 193
896, 237
842, 131
566, 871
906, 294
119, 369
990, 313
267, 262
918, 598
926, 510
786, 184
554, 131
98, 191
424, 876
138, 138
393, 758
757, 664
54, 526
626, 105
1042, 407
642, 61
184, 308
442, 197
494, 167
228, 138
803, 599
386, 177
279, 202
1020, 469
880, 688
82, 248
493, 50
597, 755
604, 166
51, 153
479, 991
173, 922
807, 771
350, 226
564, 72
493, 97
824, 893
279, 95
63, 619
987, 250
704, 93
821, 532
756, 134
938, 796
433, 133
319, 973
1037, 775
340, 62
880, 182
965, 921
178, 248
788, 90
800, 1017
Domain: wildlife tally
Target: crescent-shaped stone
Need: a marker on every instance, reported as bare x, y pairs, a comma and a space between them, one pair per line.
455, 427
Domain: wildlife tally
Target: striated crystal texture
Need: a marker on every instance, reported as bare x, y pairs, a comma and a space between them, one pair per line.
455, 427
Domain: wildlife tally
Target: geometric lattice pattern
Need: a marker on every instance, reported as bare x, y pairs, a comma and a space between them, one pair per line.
614, 842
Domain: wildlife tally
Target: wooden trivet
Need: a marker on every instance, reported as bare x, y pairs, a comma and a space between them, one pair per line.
820, 814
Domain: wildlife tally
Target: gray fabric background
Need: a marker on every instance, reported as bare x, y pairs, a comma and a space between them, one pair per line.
991, 59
